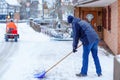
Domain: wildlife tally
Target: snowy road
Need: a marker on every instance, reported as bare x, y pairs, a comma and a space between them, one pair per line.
35, 52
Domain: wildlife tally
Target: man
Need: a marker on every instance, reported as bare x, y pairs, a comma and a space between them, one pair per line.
11, 27
84, 31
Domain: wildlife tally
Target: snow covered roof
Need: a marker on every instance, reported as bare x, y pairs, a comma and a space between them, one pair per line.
13, 2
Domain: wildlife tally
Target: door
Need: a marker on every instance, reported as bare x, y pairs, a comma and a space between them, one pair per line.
91, 17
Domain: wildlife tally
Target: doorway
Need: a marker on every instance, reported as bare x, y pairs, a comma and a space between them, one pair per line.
95, 19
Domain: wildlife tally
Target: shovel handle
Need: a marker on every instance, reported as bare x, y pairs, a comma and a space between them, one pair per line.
61, 60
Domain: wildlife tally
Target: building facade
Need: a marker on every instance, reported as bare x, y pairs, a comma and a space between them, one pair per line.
3, 10
106, 22
29, 9
7, 8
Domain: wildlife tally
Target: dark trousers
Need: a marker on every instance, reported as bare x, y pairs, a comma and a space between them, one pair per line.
93, 47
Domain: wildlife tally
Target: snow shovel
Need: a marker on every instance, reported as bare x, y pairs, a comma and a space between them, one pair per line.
42, 74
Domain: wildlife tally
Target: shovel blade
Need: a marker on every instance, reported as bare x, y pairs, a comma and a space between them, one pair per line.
40, 75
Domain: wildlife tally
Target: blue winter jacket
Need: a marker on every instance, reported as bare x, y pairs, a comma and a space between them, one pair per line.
83, 31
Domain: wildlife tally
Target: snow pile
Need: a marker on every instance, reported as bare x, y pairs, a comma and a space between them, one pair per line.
118, 57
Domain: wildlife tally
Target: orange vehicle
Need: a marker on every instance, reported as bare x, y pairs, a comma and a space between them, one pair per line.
11, 31
11, 28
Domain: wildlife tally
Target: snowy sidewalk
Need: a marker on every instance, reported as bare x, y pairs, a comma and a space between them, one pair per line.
35, 52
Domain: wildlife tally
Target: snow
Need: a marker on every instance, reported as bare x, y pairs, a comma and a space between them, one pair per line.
13, 2
35, 52
118, 58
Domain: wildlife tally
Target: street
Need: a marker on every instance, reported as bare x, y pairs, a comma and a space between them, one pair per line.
35, 52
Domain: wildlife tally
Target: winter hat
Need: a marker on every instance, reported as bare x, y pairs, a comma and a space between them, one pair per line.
70, 19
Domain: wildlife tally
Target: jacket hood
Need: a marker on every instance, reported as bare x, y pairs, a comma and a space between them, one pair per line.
70, 19
76, 20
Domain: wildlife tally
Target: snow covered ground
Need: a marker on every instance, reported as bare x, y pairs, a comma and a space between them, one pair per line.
35, 52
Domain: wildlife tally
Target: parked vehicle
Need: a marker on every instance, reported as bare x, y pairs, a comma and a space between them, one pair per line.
45, 21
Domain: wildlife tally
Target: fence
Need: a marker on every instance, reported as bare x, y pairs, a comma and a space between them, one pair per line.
35, 26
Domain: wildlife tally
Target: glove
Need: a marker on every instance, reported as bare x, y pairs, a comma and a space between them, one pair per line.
74, 50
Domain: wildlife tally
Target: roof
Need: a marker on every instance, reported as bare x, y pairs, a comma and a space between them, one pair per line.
94, 3
13, 2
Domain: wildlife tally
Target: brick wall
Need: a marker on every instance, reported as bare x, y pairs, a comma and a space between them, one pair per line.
119, 26
111, 36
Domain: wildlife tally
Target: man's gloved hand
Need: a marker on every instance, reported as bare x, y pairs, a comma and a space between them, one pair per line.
74, 50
